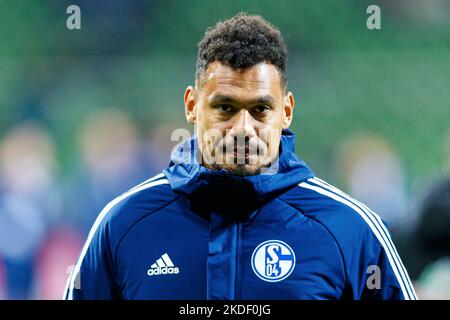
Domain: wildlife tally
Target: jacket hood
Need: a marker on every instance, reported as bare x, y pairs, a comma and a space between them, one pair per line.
222, 189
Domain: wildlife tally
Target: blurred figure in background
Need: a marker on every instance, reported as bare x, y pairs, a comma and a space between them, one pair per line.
160, 144
373, 173
111, 161
431, 235
433, 241
29, 204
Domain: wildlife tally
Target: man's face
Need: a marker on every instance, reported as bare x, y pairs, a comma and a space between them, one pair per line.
239, 116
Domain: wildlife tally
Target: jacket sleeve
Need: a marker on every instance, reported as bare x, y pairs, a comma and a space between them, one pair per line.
93, 276
385, 276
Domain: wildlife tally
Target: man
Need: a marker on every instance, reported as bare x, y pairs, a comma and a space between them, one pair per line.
237, 215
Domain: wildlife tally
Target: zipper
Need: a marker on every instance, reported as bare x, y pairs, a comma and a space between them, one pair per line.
238, 264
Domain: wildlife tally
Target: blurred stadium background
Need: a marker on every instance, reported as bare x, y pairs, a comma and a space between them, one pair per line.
87, 114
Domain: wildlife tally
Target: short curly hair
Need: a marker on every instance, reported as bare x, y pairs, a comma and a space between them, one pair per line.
241, 42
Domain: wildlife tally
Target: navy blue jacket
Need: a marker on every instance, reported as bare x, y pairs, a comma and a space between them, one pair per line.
193, 233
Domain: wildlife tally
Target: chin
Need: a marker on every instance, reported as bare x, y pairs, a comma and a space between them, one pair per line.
241, 169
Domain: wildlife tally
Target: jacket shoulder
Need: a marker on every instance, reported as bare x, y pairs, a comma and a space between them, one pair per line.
124, 211
351, 222
361, 234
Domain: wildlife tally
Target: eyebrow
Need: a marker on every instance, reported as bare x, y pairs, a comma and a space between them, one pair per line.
266, 99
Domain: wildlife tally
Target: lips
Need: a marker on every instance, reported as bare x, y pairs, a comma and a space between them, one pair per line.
242, 153
232, 148
237, 154
241, 150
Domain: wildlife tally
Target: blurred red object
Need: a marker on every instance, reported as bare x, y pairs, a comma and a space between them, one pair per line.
2, 281
58, 254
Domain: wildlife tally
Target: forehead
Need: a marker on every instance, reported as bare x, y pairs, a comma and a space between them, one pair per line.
262, 78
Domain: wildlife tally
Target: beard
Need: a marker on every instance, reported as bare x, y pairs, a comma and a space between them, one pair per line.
241, 156
241, 169
241, 163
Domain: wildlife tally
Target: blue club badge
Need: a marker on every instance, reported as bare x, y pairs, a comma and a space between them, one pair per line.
273, 260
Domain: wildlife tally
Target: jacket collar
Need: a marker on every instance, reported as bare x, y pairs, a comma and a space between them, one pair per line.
225, 190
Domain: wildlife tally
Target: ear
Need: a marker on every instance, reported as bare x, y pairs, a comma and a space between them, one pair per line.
189, 105
288, 109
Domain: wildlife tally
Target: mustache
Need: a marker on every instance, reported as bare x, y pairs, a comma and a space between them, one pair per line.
240, 144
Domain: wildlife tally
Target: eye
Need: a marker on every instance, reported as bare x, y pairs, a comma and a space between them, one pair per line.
262, 109
226, 108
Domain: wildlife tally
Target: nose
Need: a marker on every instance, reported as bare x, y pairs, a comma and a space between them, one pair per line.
243, 126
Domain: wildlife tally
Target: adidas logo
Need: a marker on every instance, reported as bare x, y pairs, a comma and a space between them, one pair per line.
163, 266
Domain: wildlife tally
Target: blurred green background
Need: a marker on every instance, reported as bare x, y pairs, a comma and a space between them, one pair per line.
138, 56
